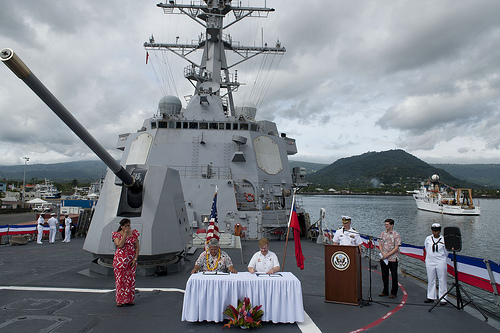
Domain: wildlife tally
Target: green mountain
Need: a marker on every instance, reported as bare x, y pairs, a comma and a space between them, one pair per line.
310, 167
83, 171
378, 169
366, 170
482, 174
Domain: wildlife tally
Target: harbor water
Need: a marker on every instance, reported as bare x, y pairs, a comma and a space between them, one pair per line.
480, 234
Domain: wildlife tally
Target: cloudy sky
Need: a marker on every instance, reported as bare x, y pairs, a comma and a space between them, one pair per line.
358, 76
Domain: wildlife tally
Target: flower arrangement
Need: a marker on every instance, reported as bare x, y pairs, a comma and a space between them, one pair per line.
244, 315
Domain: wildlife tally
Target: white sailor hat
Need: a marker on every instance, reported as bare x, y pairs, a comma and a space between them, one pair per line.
436, 225
53, 214
346, 218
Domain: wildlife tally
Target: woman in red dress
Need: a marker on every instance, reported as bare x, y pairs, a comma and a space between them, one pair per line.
125, 262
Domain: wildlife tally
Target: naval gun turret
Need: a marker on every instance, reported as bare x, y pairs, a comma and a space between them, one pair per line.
149, 195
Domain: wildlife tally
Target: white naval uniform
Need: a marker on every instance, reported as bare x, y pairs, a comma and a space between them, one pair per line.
53, 229
263, 264
435, 263
67, 230
347, 237
39, 228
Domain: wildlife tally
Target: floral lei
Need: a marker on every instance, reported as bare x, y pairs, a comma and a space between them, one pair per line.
216, 263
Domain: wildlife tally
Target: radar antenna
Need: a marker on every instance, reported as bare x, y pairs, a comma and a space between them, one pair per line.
214, 67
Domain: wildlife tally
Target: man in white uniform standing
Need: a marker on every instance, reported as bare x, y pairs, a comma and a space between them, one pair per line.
347, 235
264, 261
39, 228
67, 228
435, 263
53, 228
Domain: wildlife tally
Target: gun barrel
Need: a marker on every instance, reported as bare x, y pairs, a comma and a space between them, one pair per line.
22, 71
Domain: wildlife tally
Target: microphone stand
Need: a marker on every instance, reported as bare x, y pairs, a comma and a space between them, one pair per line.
370, 300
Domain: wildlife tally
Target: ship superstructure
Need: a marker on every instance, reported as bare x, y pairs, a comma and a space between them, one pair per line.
172, 165
212, 142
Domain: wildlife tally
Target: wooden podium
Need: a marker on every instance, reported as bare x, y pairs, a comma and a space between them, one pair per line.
342, 274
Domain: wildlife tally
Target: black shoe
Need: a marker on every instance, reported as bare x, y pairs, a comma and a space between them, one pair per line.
382, 294
428, 300
442, 303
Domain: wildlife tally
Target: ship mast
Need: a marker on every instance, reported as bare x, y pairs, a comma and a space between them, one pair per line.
213, 66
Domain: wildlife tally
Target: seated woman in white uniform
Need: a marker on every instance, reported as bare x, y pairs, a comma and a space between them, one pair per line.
264, 261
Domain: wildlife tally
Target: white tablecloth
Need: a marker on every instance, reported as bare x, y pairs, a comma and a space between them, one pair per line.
207, 296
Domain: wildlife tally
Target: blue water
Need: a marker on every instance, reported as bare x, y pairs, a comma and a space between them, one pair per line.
480, 234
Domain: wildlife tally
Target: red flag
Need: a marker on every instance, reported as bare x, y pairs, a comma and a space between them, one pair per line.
147, 57
294, 223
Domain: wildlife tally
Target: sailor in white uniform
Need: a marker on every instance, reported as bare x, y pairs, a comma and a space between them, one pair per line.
67, 229
435, 263
53, 228
39, 228
347, 235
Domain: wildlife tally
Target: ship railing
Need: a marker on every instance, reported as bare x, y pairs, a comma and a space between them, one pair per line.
203, 171
196, 73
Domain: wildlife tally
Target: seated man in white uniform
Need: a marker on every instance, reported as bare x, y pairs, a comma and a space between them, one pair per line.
347, 235
264, 261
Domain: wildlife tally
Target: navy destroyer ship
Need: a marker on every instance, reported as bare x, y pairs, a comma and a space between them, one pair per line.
216, 141
172, 166
165, 184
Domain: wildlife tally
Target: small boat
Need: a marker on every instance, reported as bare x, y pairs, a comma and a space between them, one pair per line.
44, 191
48, 190
434, 196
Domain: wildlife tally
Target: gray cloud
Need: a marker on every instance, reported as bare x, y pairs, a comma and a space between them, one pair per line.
358, 76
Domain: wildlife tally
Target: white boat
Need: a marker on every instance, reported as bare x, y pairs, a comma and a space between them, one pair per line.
434, 196
46, 191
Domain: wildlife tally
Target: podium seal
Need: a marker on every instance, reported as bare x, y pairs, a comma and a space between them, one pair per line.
340, 261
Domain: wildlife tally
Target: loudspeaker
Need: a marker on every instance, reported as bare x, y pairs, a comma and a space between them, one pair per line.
452, 239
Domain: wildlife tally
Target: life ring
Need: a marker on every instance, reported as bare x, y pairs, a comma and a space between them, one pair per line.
249, 197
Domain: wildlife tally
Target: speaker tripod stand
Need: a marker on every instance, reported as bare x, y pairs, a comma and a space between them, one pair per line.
367, 302
458, 289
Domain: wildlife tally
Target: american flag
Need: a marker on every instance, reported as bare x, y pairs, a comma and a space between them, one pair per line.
213, 228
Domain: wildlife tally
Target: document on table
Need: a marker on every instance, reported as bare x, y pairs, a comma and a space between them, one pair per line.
215, 273
270, 275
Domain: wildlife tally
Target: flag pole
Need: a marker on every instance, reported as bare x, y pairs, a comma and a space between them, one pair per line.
288, 231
